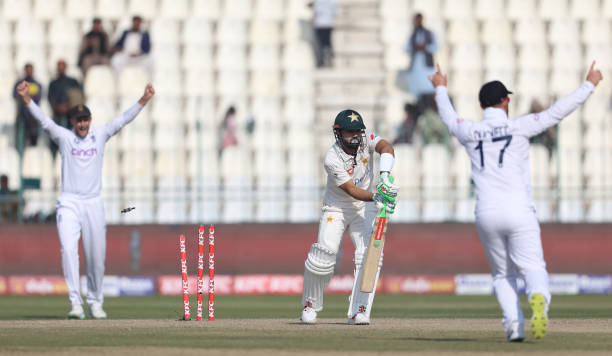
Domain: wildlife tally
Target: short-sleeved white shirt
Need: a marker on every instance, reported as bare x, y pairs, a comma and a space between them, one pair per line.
342, 167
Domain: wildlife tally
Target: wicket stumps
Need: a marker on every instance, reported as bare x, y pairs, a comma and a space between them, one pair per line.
211, 273
187, 315
200, 272
200, 281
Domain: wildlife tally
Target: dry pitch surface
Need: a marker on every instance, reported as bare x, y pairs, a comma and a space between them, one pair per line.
287, 336
269, 325
407, 326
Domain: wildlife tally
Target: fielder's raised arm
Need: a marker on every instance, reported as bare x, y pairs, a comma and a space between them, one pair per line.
23, 90
594, 75
54, 130
130, 114
534, 124
148, 94
447, 112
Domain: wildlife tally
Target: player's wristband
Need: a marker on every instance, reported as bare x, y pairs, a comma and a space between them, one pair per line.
386, 162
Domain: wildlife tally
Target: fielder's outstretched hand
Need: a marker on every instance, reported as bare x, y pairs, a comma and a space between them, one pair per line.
594, 75
23, 90
148, 94
438, 78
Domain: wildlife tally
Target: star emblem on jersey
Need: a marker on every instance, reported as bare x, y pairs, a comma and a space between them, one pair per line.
330, 219
364, 160
354, 117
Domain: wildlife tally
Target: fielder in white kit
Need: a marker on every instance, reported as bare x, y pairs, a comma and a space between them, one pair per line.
80, 208
348, 204
505, 215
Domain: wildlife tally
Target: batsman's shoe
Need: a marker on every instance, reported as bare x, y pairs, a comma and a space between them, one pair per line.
309, 315
97, 312
359, 319
76, 312
539, 319
515, 333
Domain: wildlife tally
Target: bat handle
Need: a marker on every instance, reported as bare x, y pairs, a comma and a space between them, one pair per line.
383, 210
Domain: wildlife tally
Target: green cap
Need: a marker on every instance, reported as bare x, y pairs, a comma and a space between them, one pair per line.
349, 120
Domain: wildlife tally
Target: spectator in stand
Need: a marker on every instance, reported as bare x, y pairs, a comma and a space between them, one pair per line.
30, 125
408, 126
132, 48
324, 14
432, 129
95, 47
64, 93
229, 129
8, 201
548, 138
421, 47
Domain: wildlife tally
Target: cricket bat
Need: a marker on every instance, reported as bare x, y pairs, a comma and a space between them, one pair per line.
375, 247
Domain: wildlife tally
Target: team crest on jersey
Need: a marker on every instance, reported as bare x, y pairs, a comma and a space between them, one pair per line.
364, 160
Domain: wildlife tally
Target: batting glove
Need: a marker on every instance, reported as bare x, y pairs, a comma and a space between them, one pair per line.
384, 202
385, 186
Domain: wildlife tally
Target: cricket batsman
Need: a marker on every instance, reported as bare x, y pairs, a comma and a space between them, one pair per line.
505, 215
348, 204
80, 209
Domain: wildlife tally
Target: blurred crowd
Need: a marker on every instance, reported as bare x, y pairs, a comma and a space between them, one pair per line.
64, 91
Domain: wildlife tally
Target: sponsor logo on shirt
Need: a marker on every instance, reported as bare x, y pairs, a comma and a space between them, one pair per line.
363, 177
90, 152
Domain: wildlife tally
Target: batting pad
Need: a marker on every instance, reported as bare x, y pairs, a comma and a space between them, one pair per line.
359, 298
319, 268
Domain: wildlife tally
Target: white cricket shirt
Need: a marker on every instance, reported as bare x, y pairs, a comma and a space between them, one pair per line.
499, 147
342, 167
82, 157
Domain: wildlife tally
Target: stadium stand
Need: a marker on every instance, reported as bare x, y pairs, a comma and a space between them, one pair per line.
256, 55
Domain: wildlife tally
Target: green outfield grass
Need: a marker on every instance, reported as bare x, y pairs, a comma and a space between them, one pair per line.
400, 323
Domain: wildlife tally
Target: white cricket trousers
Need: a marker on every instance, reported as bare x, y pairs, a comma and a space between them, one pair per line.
512, 244
359, 223
76, 217
334, 223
